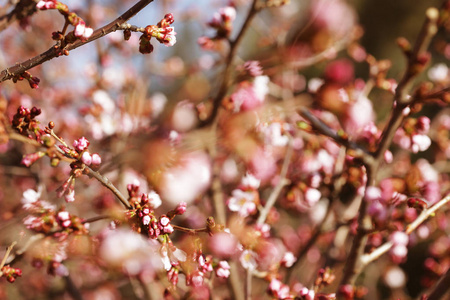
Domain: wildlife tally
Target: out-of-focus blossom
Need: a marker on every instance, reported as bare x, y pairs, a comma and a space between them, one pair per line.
336, 16
129, 251
248, 260
274, 134
398, 251
223, 269
243, 202
278, 289
250, 182
250, 95
186, 181
439, 73
223, 244
288, 259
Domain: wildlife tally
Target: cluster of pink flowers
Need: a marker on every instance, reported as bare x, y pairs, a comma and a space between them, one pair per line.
413, 134
163, 32
222, 22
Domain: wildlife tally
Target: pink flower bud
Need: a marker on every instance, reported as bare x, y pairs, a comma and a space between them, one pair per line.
79, 29
86, 158
96, 159
181, 208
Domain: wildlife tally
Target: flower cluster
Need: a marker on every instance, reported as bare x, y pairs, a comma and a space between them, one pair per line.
413, 134
81, 31
142, 215
10, 273
45, 218
222, 23
163, 32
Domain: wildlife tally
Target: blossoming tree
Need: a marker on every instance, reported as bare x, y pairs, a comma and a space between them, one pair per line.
264, 153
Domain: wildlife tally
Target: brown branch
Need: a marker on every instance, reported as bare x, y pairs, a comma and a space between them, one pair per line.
53, 52
322, 128
108, 184
23, 9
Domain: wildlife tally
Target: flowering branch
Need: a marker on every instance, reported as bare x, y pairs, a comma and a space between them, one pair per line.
234, 44
53, 52
426, 213
417, 59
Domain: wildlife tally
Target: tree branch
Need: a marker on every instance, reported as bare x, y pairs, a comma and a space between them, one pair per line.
53, 52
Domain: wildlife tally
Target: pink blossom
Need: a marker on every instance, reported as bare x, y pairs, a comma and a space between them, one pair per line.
250, 96
96, 159
278, 289
312, 196
69, 196
49, 4
86, 158
398, 253
423, 125
288, 259
439, 73
223, 244
187, 180
79, 29
242, 202
250, 182
223, 270
31, 196
81, 144
388, 156
154, 200
29, 159
420, 142
82, 31
146, 220
227, 13
197, 279
307, 294
248, 260
399, 238
181, 208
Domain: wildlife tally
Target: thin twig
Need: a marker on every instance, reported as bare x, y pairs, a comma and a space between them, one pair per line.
53, 52
108, 184
5, 257
248, 284
282, 182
